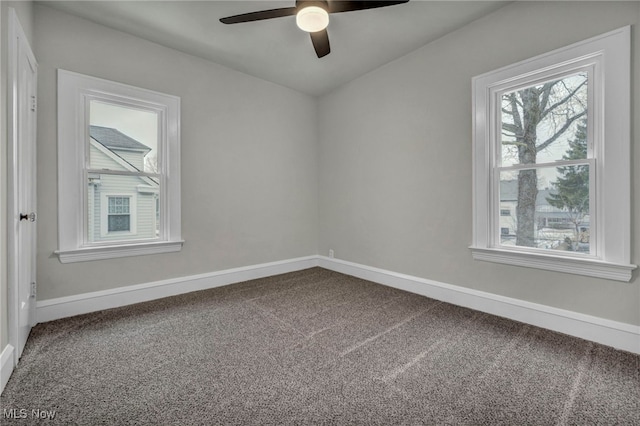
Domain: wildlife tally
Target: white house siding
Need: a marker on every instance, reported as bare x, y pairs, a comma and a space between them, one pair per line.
91, 211
98, 160
146, 214
135, 158
116, 185
94, 213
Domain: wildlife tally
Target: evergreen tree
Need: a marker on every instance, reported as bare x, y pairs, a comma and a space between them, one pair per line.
572, 187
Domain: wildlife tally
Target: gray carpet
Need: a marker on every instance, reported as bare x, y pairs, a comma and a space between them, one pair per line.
316, 347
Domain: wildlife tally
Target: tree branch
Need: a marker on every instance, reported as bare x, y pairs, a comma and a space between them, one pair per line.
559, 132
546, 92
564, 100
512, 128
512, 143
517, 120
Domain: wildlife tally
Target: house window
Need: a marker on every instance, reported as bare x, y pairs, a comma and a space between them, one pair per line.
119, 219
119, 176
119, 214
542, 128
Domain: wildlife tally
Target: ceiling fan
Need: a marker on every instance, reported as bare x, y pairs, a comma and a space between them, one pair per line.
312, 16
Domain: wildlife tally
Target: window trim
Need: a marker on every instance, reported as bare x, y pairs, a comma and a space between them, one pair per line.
610, 53
74, 93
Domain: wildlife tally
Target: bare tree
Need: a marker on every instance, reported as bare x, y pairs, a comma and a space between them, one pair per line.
555, 105
151, 163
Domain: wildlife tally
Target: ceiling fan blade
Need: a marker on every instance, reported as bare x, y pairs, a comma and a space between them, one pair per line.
337, 6
259, 16
320, 42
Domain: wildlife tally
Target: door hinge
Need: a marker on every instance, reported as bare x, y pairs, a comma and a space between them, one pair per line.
33, 290
33, 103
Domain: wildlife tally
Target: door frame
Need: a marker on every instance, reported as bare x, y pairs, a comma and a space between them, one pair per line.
15, 32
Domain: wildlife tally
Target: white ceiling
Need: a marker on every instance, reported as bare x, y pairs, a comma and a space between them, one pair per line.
276, 50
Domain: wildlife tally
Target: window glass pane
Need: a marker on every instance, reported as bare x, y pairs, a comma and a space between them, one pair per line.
118, 205
122, 138
540, 122
119, 223
122, 207
550, 205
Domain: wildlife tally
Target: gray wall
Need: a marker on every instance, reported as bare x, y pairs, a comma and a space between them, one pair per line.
379, 170
395, 158
249, 163
25, 16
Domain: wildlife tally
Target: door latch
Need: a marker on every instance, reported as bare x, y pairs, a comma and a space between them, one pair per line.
31, 217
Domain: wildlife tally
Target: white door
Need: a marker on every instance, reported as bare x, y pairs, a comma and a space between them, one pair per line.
22, 165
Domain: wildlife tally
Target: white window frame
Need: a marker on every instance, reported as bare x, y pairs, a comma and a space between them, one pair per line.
608, 58
104, 214
75, 91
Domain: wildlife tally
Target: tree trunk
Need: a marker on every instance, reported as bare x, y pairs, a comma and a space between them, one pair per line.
528, 179
526, 208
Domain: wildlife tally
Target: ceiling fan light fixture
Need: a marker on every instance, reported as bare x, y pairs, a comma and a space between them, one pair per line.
312, 19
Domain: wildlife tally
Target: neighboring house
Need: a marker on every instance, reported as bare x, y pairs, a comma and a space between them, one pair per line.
547, 216
120, 206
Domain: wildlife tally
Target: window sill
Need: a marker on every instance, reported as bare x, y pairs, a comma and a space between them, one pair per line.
114, 251
587, 267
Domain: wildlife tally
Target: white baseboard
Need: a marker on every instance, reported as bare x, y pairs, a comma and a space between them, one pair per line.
6, 366
52, 309
607, 332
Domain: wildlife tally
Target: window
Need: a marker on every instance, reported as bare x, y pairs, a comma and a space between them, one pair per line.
119, 214
542, 129
119, 175
116, 218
